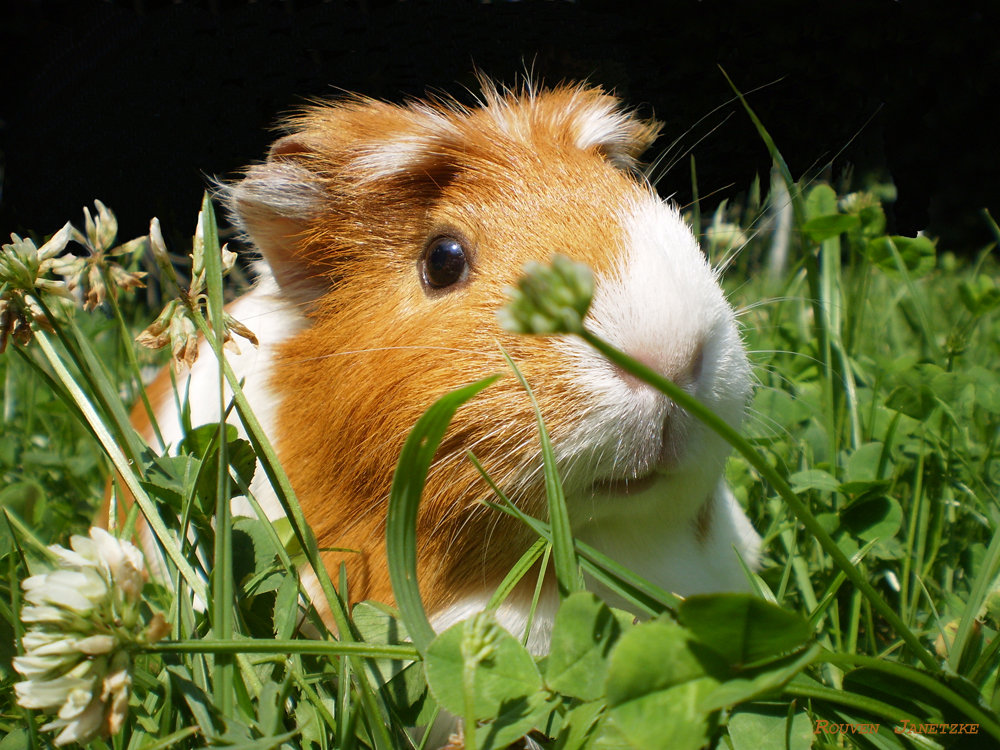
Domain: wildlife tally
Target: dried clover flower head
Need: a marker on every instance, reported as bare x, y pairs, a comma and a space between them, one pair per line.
22, 270
84, 625
87, 273
198, 258
175, 326
22, 265
14, 324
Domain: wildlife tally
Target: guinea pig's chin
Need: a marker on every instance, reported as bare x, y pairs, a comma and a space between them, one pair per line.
626, 487
654, 498
689, 454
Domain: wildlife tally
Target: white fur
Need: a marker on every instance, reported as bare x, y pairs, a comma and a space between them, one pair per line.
598, 126
392, 157
608, 129
512, 615
278, 189
406, 152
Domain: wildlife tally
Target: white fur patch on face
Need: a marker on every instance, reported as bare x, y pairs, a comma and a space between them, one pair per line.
273, 321
405, 152
662, 305
637, 470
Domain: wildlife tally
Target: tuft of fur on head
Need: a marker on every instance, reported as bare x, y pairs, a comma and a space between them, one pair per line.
362, 142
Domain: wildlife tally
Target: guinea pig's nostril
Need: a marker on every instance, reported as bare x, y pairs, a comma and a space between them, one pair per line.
631, 380
697, 364
684, 373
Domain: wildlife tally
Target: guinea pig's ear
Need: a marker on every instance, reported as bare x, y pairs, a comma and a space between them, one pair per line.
623, 146
272, 206
602, 125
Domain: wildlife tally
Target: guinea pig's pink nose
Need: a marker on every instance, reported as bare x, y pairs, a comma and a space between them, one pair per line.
685, 371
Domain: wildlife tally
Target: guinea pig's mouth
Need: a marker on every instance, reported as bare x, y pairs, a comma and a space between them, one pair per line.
626, 487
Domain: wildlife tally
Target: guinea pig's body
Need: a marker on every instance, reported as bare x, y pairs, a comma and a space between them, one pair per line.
388, 235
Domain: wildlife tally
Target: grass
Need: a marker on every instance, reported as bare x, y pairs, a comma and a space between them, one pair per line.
869, 465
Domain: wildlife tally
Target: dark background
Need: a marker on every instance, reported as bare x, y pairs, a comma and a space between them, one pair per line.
136, 102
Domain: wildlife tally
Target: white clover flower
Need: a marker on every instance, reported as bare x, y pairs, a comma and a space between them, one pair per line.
84, 624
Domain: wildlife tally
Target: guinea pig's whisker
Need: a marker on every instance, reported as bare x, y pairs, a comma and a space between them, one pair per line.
773, 371
789, 352
766, 302
376, 350
676, 160
769, 424
656, 162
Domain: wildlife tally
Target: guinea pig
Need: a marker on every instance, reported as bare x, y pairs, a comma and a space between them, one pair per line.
388, 235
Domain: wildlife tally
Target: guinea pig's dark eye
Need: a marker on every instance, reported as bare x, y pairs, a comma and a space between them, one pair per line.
445, 262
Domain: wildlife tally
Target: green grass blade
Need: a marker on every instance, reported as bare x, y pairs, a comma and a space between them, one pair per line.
530, 619
223, 599
799, 212
695, 202
798, 206
404, 501
980, 590
801, 687
133, 362
401, 652
122, 465
820, 609
757, 584
563, 552
918, 301
985, 719
61, 393
173, 739
985, 663
105, 394
523, 565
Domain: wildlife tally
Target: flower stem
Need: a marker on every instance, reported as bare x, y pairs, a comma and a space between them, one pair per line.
284, 647
130, 355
